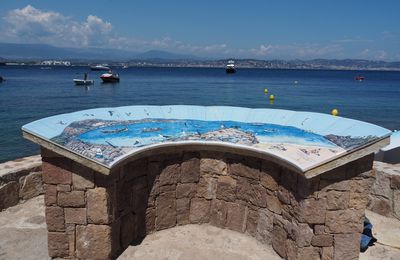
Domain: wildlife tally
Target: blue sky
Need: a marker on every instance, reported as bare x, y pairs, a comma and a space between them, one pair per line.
266, 29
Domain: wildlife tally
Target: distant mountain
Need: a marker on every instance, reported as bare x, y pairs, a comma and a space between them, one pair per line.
44, 51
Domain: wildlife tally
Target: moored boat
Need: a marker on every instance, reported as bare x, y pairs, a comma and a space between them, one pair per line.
110, 77
100, 67
230, 67
83, 81
359, 78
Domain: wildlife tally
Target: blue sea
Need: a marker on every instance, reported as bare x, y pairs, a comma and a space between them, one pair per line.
30, 93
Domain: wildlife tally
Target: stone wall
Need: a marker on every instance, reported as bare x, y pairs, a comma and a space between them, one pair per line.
384, 198
93, 216
20, 180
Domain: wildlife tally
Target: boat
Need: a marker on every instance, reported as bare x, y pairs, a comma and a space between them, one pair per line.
83, 81
100, 67
110, 77
359, 78
230, 67
125, 67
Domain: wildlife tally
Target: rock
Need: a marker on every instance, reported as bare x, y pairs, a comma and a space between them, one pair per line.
182, 211
31, 185
50, 197
98, 206
186, 190
242, 170
165, 210
337, 199
396, 203
311, 211
55, 219
207, 187
291, 250
82, 177
322, 240
63, 187
327, 253
252, 193
273, 204
347, 246
279, 237
218, 213
268, 181
252, 222
53, 174
71, 199
309, 253
358, 200
319, 229
265, 225
93, 242
150, 220
199, 211
344, 221
379, 205
236, 217
170, 174
226, 188
8, 195
395, 182
190, 170
58, 244
304, 235
75, 216
381, 185
213, 167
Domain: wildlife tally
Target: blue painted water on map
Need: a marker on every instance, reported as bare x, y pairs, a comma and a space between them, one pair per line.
157, 131
30, 93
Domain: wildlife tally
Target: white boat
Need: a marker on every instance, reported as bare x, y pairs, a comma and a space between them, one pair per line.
100, 67
110, 77
83, 81
230, 67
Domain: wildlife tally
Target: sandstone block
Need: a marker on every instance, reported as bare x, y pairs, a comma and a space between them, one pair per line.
50, 197
283, 195
395, 182
253, 193
98, 206
379, 205
63, 187
304, 235
170, 174
31, 185
322, 240
93, 242
82, 177
58, 244
186, 190
55, 219
309, 253
218, 213
347, 246
236, 217
273, 204
182, 211
9, 195
358, 200
344, 221
396, 203
207, 187
199, 210
336, 199
71, 199
279, 237
190, 170
53, 174
165, 211
252, 222
319, 229
242, 170
381, 185
311, 211
327, 253
291, 250
269, 182
226, 188
75, 216
265, 225
213, 167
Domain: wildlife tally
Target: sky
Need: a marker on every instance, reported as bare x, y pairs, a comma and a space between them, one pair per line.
261, 29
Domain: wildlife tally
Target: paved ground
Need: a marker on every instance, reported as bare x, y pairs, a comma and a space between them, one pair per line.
23, 236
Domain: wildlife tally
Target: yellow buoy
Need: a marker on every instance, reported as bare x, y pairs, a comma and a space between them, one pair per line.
335, 112
271, 97
265, 90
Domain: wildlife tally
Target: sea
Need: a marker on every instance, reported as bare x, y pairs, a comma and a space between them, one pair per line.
33, 92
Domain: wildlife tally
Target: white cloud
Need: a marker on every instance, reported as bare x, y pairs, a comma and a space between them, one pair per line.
36, 26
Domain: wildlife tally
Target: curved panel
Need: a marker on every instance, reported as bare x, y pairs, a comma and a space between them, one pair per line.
303, 140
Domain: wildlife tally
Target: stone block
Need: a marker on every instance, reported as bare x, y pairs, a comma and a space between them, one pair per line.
283, 195
252, 222
58, 244
50, 197
70, 231
344, 221
291, 250
199, 211
9, 195
336, 199
226, 188
182, 211
94, 242
322, 240
82, 177
242, 170
304, 235
252, 193
63, 187
358, 200
327, 253
207, 187
186, 190
396, 203
395, 182
265, 225
53, 174
279, 237
165, 211
347, 246
55, 219
213, 167
31, 185
273, 204
379, 205
218, 213
170, 174
75, 216
190, 170
236, 217
71, 199
311, 211
319, 229
309, 253
128, 225
269, 182
381, 185
98, 206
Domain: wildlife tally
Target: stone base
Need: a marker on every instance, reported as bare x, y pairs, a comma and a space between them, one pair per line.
90, 215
